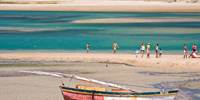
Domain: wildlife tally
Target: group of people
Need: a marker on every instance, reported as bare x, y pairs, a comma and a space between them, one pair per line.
142, 48
158, 53
115, 46
194, 51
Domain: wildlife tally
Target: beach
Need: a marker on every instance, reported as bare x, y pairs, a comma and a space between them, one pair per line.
166, 61
108, 6
169, 24
140, 74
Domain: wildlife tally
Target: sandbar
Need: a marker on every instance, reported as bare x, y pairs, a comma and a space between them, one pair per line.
108, 6
166, 61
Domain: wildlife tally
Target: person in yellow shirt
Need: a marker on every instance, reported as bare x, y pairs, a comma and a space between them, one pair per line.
148, 50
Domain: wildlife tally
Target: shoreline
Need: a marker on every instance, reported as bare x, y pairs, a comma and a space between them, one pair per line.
137, 78
166, 61
131, 52
111, 6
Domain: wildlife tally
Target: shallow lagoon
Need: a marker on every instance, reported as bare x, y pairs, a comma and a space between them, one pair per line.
50, 30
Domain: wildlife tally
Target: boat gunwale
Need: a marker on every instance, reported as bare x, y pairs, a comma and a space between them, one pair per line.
121, 94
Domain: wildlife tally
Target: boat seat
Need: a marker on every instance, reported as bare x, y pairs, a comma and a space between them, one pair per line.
89, 87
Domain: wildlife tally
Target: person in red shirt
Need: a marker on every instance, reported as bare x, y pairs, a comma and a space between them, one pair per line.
194, 48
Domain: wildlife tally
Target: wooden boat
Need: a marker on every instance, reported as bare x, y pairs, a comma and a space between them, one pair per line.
81, 94
85, 92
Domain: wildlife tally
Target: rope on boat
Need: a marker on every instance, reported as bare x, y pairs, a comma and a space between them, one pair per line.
186, 95
70, 79
93, 94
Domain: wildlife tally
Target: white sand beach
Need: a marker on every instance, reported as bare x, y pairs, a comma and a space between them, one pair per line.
167, 61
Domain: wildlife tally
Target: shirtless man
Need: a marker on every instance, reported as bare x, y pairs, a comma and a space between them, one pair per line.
185, 51
88, 47
115, 47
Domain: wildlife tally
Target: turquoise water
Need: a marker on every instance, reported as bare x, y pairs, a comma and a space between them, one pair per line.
56, 30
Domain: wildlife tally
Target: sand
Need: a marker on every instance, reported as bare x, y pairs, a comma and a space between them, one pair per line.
136, 20
108, 6
36, 87
140, 74
166, 61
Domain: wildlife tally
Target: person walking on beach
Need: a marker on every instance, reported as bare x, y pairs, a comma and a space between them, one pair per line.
148, 50
142, 48
115, 47
157, 51
88, 47
185, 51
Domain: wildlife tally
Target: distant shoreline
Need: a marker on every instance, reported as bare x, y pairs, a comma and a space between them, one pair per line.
132, 52
112, 6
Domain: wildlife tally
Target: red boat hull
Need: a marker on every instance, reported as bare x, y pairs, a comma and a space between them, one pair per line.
77, 96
